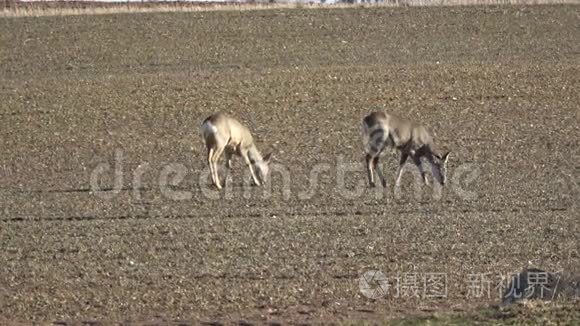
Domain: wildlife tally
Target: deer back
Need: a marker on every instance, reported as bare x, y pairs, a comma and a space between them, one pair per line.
230, 129
404, 134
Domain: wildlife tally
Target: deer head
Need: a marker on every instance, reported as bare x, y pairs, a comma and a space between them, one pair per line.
263, 168
439, 166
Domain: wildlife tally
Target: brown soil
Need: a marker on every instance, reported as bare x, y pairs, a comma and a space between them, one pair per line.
499, 85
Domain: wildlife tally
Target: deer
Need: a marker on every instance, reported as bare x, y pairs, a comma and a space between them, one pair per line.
381, 130
223, 134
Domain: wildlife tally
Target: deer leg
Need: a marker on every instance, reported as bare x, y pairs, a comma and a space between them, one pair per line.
402, 161
210, 152
216, 156
228, 159
251, 167
379, 172
370, 173
228, 166
417, 161
256, 182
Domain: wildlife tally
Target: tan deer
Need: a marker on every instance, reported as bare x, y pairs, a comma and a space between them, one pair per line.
381, 130
224, 134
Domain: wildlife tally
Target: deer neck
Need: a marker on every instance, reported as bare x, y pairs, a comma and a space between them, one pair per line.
254, 155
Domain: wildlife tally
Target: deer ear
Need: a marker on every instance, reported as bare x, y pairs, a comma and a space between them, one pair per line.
267, 158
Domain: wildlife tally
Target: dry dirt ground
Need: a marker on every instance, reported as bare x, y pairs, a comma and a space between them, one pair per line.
81, 96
